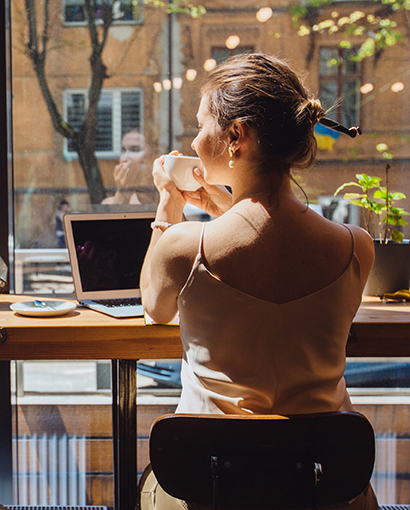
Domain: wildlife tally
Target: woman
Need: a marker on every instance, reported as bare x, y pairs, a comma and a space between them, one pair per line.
130, 169
267, 291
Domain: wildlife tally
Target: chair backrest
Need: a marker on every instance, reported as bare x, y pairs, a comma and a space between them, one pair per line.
263, 462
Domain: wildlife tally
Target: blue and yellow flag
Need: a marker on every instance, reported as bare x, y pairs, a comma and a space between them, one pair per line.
325, 137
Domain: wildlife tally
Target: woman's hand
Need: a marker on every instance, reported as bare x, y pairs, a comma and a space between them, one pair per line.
125, 175
172, 201
214, 200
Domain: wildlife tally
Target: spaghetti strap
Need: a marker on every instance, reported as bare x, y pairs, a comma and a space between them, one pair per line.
197, 261
352, 236
201, 241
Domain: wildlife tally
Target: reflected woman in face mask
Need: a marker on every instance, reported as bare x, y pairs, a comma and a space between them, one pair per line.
129, 171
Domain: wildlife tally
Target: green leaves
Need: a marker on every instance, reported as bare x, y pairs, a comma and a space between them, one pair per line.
376, 32
301, 10
364, 181
381, 204
178, 7
384, 194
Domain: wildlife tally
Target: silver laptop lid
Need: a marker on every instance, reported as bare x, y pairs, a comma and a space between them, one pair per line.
107, 251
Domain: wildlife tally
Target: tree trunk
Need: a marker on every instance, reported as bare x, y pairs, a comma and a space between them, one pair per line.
92, 174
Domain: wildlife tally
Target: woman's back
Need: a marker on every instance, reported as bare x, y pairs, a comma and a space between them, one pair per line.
262, 332
280, 254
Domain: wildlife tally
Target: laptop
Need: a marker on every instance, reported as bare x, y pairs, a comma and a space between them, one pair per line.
106, 252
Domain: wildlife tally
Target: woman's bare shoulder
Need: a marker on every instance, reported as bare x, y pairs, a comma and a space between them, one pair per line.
178, 247
170, 264
362, 239
364, 249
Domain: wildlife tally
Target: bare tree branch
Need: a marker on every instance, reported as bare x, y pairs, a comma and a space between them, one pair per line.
38, 58
46, 25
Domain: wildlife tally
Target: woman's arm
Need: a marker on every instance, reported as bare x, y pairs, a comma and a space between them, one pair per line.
156, 287
166, 269
171, 252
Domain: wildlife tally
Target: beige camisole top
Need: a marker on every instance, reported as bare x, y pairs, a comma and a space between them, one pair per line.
246, 355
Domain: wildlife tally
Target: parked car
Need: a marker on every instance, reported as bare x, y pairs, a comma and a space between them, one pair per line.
377, 374
165, 374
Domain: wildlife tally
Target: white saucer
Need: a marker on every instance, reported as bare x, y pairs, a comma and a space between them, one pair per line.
54, 308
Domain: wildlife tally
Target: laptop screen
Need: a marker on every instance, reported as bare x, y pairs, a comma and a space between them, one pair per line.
107, 252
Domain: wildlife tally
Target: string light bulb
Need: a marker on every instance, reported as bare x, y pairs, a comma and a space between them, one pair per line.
209, 64
177, 83
232, 42
366, 88
397, 87
191, 74
167, 84
264, 14
157, 86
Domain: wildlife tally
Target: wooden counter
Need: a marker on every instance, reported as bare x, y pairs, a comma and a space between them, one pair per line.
379, 330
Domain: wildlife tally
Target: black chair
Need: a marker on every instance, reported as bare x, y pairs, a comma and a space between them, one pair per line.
263, 462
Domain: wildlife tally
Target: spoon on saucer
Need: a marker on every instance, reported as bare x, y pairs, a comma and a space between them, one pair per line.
41, 304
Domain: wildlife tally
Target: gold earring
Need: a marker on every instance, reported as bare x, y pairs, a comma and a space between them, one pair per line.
231, 162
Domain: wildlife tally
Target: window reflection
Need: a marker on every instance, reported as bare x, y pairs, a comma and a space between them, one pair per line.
118, 112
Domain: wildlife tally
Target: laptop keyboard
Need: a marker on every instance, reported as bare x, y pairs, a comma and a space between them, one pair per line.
115, 303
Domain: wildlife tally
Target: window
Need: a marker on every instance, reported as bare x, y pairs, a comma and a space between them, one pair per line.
125, 11
340, 84
155, 67
119, 111
221, 53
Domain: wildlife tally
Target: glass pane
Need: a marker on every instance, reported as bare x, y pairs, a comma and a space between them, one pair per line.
148, 82
350, 66
328, 96
130, 112
221, 54
63, 440
350, 103
75, 113
130, 10
328, 61
104, 139
73, 12
380, 389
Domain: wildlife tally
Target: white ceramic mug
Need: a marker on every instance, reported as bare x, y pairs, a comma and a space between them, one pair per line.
180, 170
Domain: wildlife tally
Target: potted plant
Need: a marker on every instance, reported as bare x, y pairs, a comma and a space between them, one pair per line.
391, 270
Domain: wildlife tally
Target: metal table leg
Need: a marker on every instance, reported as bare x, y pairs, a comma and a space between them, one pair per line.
124, 419
6, 436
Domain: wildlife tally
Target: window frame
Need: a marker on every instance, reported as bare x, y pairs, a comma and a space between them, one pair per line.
116, 119
340, 79
67, 24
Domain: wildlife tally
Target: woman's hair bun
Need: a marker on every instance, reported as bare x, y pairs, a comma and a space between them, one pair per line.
311, 110
317, 110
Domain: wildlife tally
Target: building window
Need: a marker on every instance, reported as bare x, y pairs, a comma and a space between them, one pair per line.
119, 111
124, 11
340, 85
221, 53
